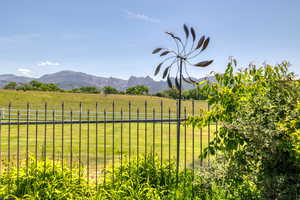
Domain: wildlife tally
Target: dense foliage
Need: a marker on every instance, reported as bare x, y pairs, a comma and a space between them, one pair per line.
146, 179
110, 90
137, 90
43, 182
196, 93
138, 179
34, 86
259, 108
87, 90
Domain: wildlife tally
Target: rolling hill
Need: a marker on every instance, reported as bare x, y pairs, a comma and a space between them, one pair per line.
71, 79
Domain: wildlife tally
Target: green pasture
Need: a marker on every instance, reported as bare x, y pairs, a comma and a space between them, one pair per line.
136, 138
54, 100
140, 141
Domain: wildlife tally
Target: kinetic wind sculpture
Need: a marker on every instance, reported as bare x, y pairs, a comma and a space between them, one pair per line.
179, 59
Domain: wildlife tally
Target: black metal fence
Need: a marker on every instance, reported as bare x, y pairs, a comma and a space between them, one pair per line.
98, 141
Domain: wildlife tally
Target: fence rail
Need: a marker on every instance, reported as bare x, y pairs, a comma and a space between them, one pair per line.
99, 141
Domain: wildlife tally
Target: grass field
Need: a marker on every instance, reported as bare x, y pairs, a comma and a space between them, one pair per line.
88, 142
127, 139
19, 99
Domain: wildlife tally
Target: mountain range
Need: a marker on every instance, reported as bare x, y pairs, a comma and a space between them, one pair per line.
71, 79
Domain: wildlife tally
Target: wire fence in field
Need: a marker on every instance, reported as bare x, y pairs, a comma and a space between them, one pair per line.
99, 142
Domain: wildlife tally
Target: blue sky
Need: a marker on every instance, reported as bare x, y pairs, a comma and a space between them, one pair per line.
115, 38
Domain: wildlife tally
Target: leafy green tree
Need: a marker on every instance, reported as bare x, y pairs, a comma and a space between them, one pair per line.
137, 90
259, 108
195, 93
10, 86
89, 89
36, 85
110, 90
171, 93
53, 87
75, 90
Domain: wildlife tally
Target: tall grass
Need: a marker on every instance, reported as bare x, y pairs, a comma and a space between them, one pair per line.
43, 181
137, 179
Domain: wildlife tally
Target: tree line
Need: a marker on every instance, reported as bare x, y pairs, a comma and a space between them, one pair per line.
34, 85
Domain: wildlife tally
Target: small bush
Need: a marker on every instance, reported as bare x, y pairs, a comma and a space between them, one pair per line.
259, 109
43, 182
138, 179
147, 179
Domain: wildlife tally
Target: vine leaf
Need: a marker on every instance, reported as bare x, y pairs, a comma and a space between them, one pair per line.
169, 82
193, 33
202, 82
164, 53
186, 30
157, 69
156, 50
205, 44
204, 63
166, 72
200, 43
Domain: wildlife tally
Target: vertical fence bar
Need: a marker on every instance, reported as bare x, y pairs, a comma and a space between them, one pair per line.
113, 143
193, 147
161, 137
137, 134
8, 142
71, 142
88, 146
1, 143
45, 138
185, 150
27, 133
62, 134
129, 132
53, 140
80, 132
36, 136
97, 146
208, 137
18, 147
169, 123
185, 146
178, 109
104, 127
201, 141
121, 141
193, 141
146, 137
153, 135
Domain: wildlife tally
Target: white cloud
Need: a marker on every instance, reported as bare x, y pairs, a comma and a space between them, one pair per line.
142, 17
48, 63
25, 72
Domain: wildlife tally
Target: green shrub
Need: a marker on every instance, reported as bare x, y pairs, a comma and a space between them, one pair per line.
146, 179
137, 90
259, 109
109, 90
43, 182
142, 179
